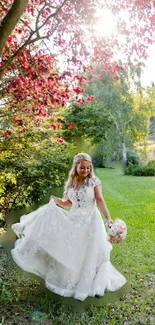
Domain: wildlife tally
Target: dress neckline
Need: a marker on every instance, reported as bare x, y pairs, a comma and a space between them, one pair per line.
82, 186
78, 188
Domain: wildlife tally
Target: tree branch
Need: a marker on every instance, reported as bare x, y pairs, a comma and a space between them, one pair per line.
52, 15
10, 20
26, 24
37, 20
29, 40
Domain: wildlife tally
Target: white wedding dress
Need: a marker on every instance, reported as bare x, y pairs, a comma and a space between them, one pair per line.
69, 249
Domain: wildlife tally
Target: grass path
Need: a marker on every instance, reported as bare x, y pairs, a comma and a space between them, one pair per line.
133, 200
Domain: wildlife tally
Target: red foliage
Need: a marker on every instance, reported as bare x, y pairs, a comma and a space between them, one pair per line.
60, 140
32, 84
78, 90
7, 132
90, 99
55, 21
54, 126
37, 87
70, 125
18, 121
80, 102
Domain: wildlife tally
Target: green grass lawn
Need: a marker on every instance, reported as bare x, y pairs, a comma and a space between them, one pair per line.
26, 301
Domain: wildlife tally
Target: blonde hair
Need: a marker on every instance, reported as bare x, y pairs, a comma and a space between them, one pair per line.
72, 179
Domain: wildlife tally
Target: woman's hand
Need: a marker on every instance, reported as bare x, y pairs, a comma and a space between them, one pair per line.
109, 222
62, 203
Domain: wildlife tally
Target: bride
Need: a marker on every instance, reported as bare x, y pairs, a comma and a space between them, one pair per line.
70, 249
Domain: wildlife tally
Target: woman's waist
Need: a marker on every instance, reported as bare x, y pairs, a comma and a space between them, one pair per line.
83, 209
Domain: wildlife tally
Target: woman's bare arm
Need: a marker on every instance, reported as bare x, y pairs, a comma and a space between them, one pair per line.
101, 203
61, 202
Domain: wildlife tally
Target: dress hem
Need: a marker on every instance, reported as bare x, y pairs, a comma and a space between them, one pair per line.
66, 292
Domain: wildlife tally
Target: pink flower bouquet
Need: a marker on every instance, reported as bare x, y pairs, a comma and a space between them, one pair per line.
117, 231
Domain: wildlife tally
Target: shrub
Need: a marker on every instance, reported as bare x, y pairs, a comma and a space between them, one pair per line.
132, 157
128, 170
31, 175
98, 158
143, 171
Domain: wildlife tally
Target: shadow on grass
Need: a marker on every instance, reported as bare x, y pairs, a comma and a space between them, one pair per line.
7, 240
109, 297
95, 301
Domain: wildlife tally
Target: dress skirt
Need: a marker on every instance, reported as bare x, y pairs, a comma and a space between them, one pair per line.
68, 249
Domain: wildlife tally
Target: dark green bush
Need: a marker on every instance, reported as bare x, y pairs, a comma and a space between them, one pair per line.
143, 171
140, 170
98, 158
129, 169
132, 157
31, 175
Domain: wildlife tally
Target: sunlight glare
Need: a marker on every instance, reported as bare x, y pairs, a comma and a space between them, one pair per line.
105, 25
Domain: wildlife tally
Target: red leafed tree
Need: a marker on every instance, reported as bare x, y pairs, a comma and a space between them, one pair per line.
24, 23
32, 85
67, 26
33, 32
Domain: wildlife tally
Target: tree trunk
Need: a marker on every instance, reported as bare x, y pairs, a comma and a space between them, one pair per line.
124, 153
10, 20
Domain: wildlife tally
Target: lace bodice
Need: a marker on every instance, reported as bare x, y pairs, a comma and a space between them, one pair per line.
84, 198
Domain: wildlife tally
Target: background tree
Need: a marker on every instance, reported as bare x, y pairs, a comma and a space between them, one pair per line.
112, 120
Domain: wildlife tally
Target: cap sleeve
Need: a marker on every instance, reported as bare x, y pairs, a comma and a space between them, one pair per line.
96, 181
